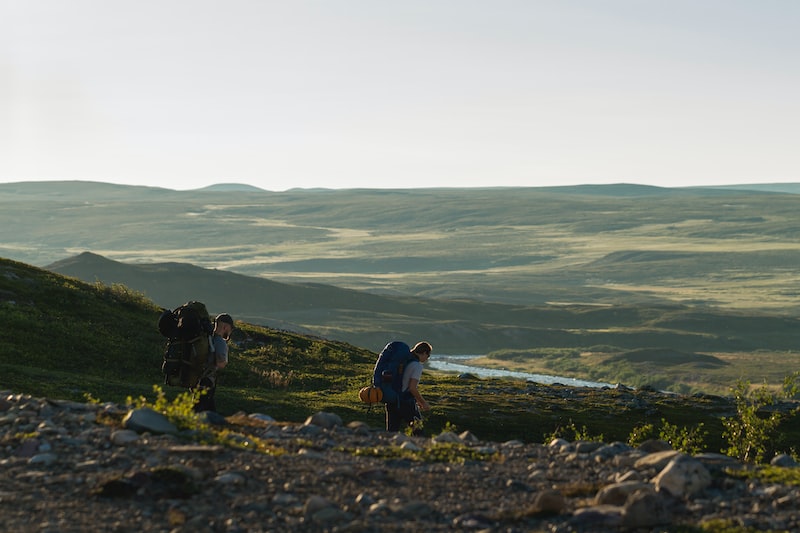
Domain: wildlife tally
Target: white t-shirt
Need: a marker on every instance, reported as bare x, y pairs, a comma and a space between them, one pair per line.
220, 350
413, 371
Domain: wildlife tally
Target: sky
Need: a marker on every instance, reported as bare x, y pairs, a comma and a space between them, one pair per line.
285, 94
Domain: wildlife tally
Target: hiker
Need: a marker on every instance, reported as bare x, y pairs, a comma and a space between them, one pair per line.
411, 401
223, 327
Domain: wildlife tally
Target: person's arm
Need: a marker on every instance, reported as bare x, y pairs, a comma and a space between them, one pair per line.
412, 388
220, 352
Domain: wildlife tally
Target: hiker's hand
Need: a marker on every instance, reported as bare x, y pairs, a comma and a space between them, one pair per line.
423, 405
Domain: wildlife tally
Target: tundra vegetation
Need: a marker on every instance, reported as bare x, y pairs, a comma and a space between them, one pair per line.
693, 291
69, 339
687, 290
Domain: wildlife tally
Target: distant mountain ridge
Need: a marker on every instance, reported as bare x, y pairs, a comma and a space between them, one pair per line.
228, 187
57, 187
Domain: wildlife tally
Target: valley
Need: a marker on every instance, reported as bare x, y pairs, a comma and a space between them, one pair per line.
603, 270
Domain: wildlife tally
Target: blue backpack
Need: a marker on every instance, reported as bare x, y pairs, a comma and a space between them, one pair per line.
388, 373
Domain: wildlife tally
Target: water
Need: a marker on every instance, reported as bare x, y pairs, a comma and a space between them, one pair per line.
452, 363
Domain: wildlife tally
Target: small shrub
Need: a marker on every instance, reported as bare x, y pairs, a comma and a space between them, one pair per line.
415, 429
449, 427
642, 433
691, 441
748, 433
179, 411
572, 433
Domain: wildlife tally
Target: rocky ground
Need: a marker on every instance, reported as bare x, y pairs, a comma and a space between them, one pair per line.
86, 467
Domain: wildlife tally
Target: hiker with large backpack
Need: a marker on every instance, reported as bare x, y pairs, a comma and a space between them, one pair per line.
195, 350
397, 373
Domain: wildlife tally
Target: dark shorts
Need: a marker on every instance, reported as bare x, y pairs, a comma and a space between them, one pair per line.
399, 417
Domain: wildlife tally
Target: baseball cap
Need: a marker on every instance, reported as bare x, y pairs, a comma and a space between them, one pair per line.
224, 317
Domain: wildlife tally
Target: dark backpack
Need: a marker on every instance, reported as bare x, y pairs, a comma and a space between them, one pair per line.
388, 372
188, 329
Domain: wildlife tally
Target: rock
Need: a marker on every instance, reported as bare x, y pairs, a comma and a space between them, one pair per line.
122, 437
230, 478
399, 438
284, 499
212, 418
560, 444
517, 486
324, 420
27, 448
364, 499
315, 503
46, 459
416, 508
618, 493
606, 451
410, 446
783, 460
591, 518
145, 419
630, 475
683, 477
473, 522
645, 508
359, 428
447, 437
311, 430
549, 502
583, 447
469, 437
311, 454
657, 460
329, 515
261, 417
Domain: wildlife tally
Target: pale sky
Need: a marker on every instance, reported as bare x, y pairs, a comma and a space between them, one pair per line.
412, 93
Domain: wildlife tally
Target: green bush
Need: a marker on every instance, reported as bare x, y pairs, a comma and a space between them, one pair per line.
691, 441
750, 433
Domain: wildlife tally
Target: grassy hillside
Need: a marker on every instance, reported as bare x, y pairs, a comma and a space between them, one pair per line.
582, 341
64, 338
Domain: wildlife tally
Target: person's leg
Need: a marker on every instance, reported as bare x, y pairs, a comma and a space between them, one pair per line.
205, 402
416, 422
410, 414
393, 418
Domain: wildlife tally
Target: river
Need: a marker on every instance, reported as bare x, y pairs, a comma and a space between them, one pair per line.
455, 363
